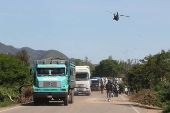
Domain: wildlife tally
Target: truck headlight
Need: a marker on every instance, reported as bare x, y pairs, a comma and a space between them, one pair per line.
63, 89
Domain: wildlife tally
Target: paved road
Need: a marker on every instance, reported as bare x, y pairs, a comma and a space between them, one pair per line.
96, 103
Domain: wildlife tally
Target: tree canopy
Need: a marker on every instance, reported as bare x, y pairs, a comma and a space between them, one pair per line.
23, 55
12, 70
84, 62
150, 71
108, 67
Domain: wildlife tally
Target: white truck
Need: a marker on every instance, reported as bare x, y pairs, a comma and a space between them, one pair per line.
118, 80
82, 80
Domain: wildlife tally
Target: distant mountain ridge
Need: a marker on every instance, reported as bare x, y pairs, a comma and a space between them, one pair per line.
33, 54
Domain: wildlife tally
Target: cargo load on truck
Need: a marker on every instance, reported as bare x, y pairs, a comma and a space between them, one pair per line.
54, 80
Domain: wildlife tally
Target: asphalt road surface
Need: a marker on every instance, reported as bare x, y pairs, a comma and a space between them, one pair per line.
95, 103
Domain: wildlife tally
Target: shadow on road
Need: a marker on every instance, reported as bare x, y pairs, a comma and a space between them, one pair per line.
141, 106
80, 95
55, 103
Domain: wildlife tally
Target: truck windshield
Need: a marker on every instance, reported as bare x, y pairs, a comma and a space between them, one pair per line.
50, 71
82, 77
95, 82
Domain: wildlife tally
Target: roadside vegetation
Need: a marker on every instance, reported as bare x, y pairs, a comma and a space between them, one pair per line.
84, 62
14, 73
148, 79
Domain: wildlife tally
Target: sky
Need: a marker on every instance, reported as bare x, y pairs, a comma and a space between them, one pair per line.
85, 28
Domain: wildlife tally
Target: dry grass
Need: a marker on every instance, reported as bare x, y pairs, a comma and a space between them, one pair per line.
26, 97
145, 96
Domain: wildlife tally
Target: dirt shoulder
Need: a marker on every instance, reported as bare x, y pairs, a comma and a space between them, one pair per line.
125, 100
146, 108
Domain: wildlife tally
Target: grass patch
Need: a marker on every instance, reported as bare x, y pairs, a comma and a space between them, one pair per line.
7, 104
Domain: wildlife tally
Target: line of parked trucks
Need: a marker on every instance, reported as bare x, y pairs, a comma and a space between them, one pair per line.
60, 80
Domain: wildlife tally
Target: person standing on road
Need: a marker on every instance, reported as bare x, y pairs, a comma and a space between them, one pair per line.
109, 88
117, 87
112, 90
102, 88
115, 90
126, 90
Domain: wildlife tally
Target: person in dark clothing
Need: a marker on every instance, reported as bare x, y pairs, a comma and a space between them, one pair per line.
102, 88
109, 88
121, 89
115, 91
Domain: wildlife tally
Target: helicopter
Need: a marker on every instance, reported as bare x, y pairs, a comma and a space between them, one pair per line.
116, 16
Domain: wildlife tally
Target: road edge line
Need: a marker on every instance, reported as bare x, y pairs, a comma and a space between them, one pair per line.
131, 105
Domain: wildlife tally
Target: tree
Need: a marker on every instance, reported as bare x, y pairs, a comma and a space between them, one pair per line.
84, 62
24, 57
150, 71
12, 70
110, 57
108, 68
78, 62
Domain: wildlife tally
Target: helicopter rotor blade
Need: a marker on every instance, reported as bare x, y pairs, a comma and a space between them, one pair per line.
126, 16
122, 15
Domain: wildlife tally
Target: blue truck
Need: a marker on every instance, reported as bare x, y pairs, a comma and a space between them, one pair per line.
53, 80
99, 79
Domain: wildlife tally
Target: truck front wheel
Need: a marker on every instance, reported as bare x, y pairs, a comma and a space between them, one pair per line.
66, 100
72, 96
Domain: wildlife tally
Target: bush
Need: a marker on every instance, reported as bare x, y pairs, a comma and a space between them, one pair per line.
7, 103
146, 96
13, 70
163, 89
166, 107
13, 74
4, 96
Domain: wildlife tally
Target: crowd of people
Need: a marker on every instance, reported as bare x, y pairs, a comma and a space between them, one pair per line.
112, 89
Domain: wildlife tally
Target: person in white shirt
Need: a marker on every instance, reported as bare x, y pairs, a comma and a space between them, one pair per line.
126, 90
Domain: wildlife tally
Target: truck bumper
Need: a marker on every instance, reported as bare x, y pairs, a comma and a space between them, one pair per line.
94, 89
81, 92
46, 94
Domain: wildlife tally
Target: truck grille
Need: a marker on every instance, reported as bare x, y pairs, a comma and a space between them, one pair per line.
80, 85
49, 83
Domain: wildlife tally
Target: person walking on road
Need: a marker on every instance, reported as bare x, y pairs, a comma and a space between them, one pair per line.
117, 87
109, 88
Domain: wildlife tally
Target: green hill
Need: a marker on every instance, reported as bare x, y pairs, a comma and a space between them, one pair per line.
33, 54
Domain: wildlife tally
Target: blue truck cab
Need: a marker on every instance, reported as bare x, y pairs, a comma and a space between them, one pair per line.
99, 79
53, 80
